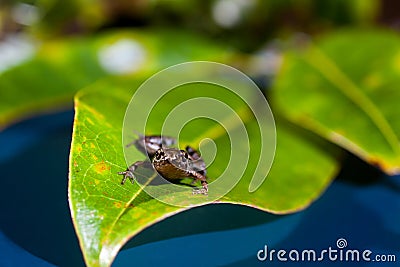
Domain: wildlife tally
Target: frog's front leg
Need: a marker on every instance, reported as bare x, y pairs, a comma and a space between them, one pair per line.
129, 173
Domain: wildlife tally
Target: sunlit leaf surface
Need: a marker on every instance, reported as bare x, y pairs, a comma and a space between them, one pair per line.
107, 214
345, 87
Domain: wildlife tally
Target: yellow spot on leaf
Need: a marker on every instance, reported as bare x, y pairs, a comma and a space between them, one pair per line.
101, 167
124, 205
128, 205
92, 145
96, 181
79, 148
95, 157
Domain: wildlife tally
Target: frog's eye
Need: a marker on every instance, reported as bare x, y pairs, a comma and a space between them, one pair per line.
159, 154
185, 154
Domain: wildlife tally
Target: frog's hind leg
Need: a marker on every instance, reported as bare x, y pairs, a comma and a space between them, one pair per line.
199, 177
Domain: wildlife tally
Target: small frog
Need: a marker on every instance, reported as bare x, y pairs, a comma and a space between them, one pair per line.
171, 163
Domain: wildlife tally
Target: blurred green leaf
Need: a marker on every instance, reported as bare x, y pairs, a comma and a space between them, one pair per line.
47, 81
51, 78
106, 214
345, 87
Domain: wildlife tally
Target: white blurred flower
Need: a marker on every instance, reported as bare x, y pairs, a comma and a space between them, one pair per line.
228, 13
123, 57
15, 49
25, 14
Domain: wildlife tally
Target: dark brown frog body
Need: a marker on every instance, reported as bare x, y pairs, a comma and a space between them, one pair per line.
171, 163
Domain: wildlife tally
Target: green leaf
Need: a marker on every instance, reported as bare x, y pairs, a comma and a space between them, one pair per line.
107, 214
61, 67
48, 80
345, 87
